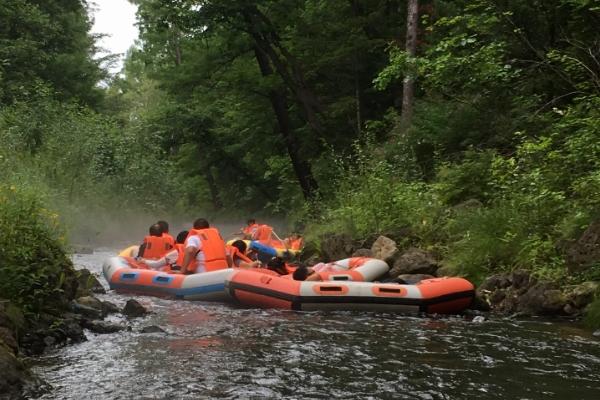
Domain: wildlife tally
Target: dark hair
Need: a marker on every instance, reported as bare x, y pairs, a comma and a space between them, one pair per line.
181, 236
301, 273
251, 221
201, 223
240, 245
155, 230
164, 226
278, 265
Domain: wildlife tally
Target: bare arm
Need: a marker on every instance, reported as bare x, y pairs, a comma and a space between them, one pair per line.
188, 255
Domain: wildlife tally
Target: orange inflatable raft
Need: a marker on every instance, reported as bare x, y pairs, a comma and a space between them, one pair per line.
123, 275
440, 295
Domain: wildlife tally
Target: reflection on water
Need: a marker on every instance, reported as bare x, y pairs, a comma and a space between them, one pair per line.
217, 351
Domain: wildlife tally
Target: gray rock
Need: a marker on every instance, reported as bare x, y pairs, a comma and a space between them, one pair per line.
363, 253
414, 261
520, 279
103, 326
134, 309
152, 329
542, 299
479, 303
500, 281
86, 311
596, 333
385, 249
90, 301
583, 294
88, 283
110, 308
337, 247
478, 319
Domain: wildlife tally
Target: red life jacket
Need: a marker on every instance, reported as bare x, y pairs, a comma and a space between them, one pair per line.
156, 247
296, 244
213, 247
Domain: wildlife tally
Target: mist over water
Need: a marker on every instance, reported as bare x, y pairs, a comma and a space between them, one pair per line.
214, 350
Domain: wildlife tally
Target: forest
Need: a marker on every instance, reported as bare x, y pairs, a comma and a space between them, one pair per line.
474, 125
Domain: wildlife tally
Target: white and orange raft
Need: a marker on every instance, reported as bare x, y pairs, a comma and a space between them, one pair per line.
123, 274
439, 295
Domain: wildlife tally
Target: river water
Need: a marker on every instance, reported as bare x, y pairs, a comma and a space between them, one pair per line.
219, 351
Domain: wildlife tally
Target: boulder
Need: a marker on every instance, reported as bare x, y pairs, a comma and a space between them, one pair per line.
337, 247
499, 281
152, 329
542, 299
134, 309
583, 294
90, 301
14, 376
414, 261
110, 308
479, 303
363, 253
103, 326
86, 311
585, 251
411, 279
385, 249
521, 280
88, 283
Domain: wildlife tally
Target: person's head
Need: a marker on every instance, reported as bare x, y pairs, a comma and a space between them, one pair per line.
240, 245
251, 221
155, 230
278, 265
164, 225
201, 223
181, 236
301, 273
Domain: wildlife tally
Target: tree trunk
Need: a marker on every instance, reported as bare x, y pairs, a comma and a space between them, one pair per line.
408, 91
214, 190
279, 103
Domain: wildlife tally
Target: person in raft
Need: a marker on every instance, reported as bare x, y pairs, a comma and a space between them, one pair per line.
250, 229
204, 250
155, 245
237, 252
304, 273
164, 227
277, 264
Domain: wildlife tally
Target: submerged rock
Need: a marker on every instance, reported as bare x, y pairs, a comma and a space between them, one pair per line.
134, 309
103, 326
110, 308
152, 329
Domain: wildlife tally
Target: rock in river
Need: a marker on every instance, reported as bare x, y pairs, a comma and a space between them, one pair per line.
134, 309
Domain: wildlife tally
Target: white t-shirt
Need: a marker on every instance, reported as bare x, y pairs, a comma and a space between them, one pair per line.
194, 241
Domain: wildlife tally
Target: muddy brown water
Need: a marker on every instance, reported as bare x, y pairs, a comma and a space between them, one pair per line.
219, 351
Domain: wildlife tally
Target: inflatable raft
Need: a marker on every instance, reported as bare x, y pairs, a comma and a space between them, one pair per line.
123, 276
439, 295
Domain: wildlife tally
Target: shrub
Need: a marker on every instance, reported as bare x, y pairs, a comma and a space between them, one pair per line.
36, 272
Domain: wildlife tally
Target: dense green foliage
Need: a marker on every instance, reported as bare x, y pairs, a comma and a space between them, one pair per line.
292, 108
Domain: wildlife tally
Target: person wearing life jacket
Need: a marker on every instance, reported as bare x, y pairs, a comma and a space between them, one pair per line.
263, 233
155, 245
164, 226
250, 229
237, 252
179, 246
204, 250
294, 242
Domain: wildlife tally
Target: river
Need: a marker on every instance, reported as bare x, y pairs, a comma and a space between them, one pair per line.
219, 351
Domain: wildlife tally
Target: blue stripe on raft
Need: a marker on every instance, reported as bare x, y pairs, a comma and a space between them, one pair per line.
177, 292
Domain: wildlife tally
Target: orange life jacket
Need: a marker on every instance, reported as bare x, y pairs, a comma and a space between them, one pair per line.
213, 247
248, 230
156, 247
263, 233
296, 244
237, 256
170, 239
180, 253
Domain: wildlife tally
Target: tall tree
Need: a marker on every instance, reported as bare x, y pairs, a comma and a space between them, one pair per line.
408, 88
